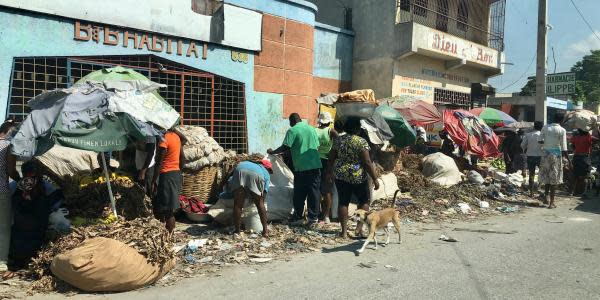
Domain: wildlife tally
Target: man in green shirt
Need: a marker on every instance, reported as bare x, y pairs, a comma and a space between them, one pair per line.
302, 141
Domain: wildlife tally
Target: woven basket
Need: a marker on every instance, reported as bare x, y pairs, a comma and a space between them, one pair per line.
202, 184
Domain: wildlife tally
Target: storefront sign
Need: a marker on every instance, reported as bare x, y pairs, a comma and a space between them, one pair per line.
132, 39
443, 43
556, 103
446, 76
560, 84
413, 88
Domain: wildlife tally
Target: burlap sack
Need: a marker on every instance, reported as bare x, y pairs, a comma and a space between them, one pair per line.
106, 265
367, 96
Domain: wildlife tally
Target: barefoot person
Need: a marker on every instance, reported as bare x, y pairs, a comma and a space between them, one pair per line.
250, 179
326, 135
554, 145
533, 150
167, 179
349, 163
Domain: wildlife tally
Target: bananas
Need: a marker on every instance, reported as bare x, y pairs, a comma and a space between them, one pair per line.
86, 179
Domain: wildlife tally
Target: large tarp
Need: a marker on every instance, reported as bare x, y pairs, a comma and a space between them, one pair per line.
471, 133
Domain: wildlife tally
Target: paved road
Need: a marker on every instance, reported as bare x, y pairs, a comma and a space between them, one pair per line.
554, 254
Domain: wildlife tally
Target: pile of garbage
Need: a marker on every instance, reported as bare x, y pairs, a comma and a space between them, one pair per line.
201, 149
408, 171
146, 235
471, 194
215, 250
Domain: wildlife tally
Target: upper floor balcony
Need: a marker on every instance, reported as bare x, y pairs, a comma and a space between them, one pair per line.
463, 32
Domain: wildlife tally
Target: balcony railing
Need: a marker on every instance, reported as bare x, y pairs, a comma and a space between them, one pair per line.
480, 21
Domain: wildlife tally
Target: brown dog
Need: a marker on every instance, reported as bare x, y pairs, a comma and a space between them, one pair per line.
377, 220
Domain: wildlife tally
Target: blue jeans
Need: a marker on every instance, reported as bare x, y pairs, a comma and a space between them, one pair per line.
307, 185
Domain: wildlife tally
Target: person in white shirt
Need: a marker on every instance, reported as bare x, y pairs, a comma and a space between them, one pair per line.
554, 143
533, 150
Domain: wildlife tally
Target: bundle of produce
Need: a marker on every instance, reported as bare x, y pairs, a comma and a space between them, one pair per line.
146, 235
86, 196
201, 149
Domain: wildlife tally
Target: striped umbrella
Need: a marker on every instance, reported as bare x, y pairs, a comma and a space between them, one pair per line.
493, 117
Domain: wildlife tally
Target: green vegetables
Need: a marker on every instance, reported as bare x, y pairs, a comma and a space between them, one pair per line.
498, 163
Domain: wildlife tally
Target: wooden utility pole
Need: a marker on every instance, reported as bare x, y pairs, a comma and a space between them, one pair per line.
540, 70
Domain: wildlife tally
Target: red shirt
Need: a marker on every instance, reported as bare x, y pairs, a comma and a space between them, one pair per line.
582, 143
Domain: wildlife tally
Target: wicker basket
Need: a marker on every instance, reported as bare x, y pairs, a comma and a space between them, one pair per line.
202, 184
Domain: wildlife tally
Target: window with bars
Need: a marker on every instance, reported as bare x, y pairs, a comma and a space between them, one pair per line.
463, 15
441, 22
203, 99
451, 98
421, 8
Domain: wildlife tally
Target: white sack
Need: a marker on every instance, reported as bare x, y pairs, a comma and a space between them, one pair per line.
441, 169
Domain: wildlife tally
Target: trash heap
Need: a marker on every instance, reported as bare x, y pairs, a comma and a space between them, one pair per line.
146, 235
217, 249
201, 149
423, 200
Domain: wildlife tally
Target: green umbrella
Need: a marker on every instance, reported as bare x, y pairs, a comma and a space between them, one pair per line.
403, 133
78, 118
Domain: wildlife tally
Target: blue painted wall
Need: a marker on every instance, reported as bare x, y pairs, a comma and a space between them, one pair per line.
297, 10
333, 53
266, 127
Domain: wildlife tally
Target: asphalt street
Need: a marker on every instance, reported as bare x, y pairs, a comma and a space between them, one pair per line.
537, 253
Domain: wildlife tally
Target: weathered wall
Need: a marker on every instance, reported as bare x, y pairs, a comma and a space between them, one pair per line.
296, 10
422, 74
331, 12
374, 45
285, 64
332, 67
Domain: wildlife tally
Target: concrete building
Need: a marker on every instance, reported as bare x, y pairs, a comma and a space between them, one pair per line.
236, 67
432, 50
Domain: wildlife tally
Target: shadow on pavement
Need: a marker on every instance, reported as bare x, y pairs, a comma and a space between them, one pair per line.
591, 205
344, 248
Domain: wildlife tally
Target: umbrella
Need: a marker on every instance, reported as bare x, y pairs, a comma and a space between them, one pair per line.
89, 116
471, 133
403, 133
516, 126
492, 116
416, 112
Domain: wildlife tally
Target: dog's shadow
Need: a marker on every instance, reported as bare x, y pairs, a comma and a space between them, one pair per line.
352, 247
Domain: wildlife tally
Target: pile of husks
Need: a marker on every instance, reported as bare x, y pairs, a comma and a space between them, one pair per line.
147, 235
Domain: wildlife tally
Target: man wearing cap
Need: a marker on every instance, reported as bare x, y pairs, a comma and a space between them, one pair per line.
250, 179
326, 134
303, 143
